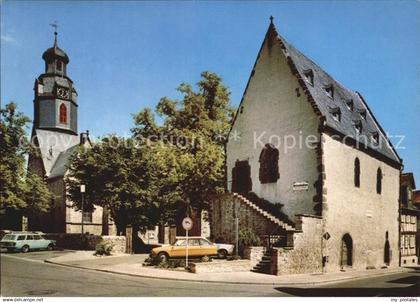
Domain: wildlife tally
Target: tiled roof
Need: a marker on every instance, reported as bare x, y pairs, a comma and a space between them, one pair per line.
331, 97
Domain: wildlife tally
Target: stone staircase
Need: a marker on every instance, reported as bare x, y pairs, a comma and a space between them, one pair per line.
266, 214
264, 266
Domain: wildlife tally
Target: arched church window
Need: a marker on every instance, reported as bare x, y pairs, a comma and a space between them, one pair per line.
357, 173
63, 114
379, 181
269, 164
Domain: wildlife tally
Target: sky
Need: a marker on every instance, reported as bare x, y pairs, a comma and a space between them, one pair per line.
126, 55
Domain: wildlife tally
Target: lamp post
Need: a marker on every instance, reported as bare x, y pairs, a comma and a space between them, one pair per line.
82, 191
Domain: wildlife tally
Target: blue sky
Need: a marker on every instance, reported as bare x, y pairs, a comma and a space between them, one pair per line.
124, 56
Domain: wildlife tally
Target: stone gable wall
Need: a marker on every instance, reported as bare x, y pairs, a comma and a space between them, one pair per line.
273, 108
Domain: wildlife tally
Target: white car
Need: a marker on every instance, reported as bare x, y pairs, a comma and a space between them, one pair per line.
224, 249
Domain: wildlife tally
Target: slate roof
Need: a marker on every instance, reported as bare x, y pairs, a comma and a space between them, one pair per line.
332, 97
61, 164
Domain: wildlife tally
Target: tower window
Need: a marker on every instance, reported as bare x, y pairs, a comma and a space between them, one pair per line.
357, 173
63, 114
269, 164
379, 181
59, 65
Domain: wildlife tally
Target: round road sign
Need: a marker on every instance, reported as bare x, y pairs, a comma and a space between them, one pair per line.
187, 223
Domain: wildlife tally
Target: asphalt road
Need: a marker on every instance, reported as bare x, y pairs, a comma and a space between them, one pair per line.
28, 275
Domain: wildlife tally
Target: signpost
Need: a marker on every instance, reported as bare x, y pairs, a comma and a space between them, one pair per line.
187, 224
82, 190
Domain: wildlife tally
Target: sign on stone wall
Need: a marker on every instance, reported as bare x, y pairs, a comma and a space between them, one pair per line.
300, 186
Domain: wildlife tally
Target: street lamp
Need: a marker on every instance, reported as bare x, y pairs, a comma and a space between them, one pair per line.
82, 190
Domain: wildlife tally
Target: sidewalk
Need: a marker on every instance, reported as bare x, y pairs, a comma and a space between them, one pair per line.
132, 265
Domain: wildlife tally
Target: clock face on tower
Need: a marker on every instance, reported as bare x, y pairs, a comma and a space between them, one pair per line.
63, 93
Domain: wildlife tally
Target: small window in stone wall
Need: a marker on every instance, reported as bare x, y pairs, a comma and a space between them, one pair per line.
357, 173
87, 216
379, 181
269, 164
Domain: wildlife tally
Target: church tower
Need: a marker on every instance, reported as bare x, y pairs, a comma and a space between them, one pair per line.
55, 101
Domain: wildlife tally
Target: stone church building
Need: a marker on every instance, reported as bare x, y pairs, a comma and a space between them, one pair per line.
55, 136
309, 170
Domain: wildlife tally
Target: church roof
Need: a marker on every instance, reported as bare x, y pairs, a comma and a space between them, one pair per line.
61, 164
55, 52
51, 145
344, 110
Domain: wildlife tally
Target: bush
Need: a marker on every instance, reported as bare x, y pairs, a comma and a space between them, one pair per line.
103, 248
247, 237
234, 257
206, 259
148, 262
172, 263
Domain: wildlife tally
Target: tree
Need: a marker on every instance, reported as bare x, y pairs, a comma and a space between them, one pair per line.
20, 192
188, 148
115, 177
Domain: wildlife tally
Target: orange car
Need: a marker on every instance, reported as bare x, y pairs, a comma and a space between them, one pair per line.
197, 247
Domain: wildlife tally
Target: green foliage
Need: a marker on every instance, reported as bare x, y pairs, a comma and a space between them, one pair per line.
171, 263
103, 248
247, 237
152, 177
187, 149
116, 177
27, 193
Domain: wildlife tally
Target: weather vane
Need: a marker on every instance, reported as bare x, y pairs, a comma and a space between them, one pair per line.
55, 25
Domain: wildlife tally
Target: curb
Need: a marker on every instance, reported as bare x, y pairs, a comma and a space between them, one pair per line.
312, 283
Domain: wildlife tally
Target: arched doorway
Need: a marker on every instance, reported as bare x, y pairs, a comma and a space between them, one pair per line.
346, 250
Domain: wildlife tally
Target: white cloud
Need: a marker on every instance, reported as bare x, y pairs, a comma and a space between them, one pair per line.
7, 38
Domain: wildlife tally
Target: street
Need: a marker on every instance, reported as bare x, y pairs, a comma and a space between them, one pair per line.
28, 275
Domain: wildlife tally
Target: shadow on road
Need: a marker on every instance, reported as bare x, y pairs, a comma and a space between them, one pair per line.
410, 291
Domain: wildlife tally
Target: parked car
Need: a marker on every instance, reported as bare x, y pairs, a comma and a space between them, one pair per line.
197, 247
4, 232
26, 241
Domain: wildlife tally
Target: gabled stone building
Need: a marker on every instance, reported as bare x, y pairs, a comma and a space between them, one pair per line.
309, 169
55, 136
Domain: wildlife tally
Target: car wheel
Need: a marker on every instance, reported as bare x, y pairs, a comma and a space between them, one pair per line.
163, 257
50, 247
222, 254
25, 249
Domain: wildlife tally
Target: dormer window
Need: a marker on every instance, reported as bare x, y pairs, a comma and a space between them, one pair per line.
336, 113
362, 113
350, 104
375, 137
309, 76
358, 127
329, 90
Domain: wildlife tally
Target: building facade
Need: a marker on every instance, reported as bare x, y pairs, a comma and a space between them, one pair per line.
55, 136
410, 216
307, 155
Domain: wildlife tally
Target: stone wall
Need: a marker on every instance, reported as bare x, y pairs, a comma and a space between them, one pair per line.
306, 254
368, 217
118, 243
225, 207
220, 266
275, 110
254, 254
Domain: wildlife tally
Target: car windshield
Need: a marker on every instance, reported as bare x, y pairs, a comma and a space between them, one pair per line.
9, 237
